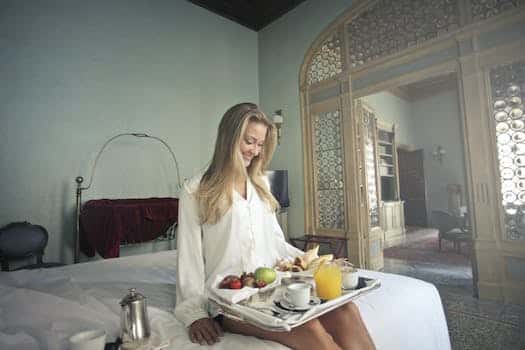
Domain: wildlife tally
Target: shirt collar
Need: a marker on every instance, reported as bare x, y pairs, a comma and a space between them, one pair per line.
249, 192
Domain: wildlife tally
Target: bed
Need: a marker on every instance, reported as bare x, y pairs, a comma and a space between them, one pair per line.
40, 309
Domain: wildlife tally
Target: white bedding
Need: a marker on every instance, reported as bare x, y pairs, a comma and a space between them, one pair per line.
40, 309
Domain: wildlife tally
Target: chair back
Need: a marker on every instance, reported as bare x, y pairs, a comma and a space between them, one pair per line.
20, 240
443, 221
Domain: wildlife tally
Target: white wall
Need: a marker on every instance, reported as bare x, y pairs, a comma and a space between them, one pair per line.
75, 73
282, 47
392, 109
437, 120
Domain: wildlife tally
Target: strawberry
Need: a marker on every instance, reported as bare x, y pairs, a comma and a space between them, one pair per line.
225, 283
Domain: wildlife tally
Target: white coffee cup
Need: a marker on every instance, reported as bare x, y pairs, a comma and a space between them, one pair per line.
350, 278
88, 340
298, 294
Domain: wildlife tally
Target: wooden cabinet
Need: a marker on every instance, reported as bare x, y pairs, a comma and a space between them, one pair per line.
393, 222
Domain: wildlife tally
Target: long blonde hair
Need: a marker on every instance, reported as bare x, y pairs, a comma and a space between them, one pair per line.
215, 193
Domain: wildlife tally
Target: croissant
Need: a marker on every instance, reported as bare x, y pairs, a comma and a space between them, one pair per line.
311, 254
296, 268
299, 261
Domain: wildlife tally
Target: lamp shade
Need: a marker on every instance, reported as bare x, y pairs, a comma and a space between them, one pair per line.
279, 186
278, 119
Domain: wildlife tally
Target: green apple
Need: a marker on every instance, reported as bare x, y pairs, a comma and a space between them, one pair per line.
265, 274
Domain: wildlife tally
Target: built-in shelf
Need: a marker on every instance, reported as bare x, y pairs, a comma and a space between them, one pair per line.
387, 161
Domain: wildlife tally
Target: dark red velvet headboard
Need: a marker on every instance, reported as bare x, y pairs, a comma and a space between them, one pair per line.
105, 224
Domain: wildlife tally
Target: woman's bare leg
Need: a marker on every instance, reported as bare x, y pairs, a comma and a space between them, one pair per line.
311, 335
347, 328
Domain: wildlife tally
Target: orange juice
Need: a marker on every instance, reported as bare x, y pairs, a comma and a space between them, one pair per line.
328, 281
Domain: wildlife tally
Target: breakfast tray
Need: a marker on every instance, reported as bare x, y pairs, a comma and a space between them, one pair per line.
264, 310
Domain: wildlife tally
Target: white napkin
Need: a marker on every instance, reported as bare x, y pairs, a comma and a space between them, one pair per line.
233, 296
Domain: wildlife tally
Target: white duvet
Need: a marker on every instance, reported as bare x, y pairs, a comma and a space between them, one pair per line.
40, 309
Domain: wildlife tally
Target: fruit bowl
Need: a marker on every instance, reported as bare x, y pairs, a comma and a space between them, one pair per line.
234, 296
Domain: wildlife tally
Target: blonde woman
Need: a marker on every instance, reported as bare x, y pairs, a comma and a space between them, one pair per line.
227, 223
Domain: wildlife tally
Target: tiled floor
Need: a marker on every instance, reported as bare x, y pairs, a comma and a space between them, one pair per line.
473, 323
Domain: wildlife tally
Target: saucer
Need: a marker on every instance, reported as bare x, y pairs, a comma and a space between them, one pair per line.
349, 289
285, 304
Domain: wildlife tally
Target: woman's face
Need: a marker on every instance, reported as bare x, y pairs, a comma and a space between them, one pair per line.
252, 142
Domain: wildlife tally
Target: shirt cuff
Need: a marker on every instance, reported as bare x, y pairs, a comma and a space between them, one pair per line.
191, 310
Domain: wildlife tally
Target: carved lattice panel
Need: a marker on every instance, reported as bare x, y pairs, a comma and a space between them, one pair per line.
482, 9
327, 62
508, 95
328, 163
391, 26
370, 165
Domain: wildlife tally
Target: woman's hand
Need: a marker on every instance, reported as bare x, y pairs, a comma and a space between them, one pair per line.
205, 330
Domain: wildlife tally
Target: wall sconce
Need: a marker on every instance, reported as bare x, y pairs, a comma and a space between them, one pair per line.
438, 153
278, 121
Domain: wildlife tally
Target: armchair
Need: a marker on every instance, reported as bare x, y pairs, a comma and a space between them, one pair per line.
20, 241
450, 228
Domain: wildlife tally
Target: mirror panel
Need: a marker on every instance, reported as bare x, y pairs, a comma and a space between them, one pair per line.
507, 91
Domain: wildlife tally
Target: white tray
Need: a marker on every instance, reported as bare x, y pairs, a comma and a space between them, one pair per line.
261, 311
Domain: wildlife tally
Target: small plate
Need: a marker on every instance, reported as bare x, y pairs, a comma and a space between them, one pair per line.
349, 289
285, 304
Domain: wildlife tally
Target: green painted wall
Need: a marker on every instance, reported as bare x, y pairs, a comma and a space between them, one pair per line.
75, 73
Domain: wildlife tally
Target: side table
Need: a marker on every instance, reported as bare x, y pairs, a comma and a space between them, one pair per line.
334, 245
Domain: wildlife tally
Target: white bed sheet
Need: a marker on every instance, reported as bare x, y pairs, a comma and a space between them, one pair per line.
40, 309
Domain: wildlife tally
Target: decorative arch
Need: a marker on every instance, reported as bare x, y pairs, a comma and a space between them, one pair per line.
369, 48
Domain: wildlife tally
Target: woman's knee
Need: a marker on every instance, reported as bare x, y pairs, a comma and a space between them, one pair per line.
348, 309
313, 327
351, 307
313, 335
353, 311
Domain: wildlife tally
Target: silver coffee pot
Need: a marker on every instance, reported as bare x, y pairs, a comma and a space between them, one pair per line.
134, 320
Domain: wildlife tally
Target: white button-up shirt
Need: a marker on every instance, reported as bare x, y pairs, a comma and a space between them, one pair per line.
246, 237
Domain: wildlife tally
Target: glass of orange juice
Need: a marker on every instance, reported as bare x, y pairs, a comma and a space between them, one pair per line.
328, 281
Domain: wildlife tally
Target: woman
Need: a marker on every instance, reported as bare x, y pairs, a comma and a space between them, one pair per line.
227, 224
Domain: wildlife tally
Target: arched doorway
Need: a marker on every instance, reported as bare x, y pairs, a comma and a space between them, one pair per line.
381, 45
